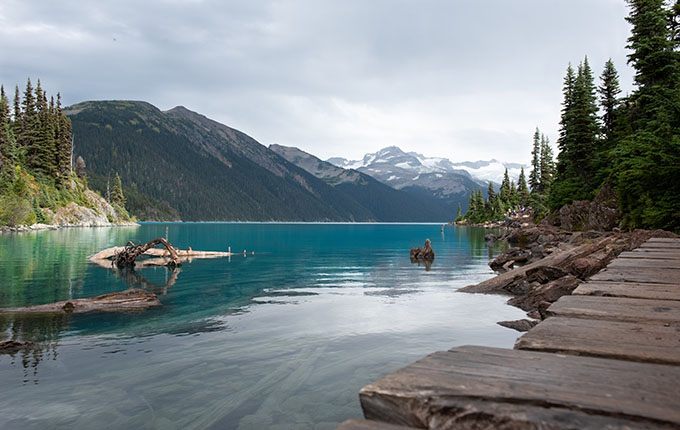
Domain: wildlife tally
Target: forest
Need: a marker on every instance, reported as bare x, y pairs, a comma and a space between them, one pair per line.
631, 143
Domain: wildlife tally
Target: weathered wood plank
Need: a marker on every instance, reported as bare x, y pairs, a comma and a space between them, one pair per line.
616, 309
638, 274
644, 263
650, 255
665, 245
650, 342
369, 425
478, 387
628, 289
664, 240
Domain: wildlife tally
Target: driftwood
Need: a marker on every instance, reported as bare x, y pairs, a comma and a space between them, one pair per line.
106, 258
125, 301
127, 257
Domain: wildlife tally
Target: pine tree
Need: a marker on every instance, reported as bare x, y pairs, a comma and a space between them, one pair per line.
459, 214
647, 163
505, 189
609, 91
576, 176
564, 141
547, 171
522, 188
63, 140
534, 175
117, 196
29, 130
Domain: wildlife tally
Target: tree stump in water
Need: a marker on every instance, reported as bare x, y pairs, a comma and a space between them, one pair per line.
425, 254
127, 257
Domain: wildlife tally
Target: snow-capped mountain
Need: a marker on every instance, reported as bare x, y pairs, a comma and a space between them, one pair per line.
392, 164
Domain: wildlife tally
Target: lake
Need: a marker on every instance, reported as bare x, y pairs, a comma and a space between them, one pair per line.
282, 339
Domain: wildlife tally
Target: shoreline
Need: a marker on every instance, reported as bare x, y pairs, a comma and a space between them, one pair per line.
43, 227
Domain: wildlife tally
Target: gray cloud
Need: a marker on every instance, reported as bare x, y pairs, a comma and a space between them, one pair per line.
462, 79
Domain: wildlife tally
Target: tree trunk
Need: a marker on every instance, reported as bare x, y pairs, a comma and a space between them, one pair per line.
127, 257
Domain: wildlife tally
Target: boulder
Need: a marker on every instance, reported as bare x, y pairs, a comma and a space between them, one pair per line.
515, 255
543, 295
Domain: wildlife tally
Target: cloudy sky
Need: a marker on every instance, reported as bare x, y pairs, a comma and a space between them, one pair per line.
463, 79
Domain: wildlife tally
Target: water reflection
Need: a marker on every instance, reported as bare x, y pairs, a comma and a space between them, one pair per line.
135, 279
40, 331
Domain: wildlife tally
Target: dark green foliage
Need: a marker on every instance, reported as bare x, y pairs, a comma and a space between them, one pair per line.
647, 159
522, 188
496, 204
33, 170
637, 147
534, 175
576, 177
547, 166
609, 99
117, 195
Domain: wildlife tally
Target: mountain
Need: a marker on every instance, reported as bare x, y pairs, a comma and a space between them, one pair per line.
431, 178
201, 170
399, 161
384, 202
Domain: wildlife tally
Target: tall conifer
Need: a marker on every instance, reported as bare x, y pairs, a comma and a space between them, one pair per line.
534, 175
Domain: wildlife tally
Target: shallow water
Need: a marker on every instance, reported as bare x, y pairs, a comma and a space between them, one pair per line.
282, 339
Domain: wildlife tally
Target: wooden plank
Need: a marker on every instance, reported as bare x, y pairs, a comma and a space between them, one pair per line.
664, 240
638, 274
650, 342
666, 245
616, 309
628, 289
369, 425
650, 255
479, 387
645, 263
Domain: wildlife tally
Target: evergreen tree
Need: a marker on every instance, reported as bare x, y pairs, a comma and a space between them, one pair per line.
29, 130
609, 91
579, 137
505, 189
117, 196
547, 170
534, 175
491, 195
564, 141
459, 214
647, 163
522, 188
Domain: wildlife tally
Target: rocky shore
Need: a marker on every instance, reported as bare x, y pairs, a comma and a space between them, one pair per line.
549, 260
98, 213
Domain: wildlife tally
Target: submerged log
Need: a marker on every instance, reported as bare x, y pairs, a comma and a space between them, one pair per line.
127, 257
126, 301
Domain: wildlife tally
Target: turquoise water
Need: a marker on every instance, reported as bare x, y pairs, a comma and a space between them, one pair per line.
281, 339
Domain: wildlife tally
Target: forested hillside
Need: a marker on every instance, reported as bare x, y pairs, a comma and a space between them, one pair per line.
203, 169
36, 178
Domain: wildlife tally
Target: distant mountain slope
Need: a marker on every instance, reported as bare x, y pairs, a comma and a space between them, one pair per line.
435, 179
479, 171
205, 170
384, 202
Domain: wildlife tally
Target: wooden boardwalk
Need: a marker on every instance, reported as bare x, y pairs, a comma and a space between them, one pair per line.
607, 356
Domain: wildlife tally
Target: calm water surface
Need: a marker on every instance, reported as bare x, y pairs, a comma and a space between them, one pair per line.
283, 339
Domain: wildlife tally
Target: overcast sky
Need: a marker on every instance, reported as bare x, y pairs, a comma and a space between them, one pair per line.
464, 79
